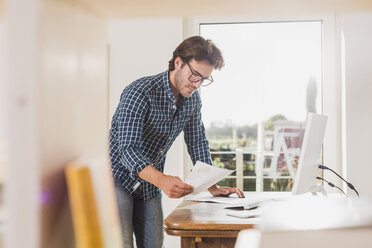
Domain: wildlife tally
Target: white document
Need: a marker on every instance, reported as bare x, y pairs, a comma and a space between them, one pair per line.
230, 200
204, 175
245, 213
247, 205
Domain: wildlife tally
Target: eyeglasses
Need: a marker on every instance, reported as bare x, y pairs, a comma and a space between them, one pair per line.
196, 77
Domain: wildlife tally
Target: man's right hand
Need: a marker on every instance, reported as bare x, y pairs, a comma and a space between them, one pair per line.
173, 187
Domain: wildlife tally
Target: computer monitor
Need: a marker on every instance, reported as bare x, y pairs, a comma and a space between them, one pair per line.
307, 169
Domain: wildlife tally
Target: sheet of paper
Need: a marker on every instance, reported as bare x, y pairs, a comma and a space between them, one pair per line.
249, 204
204, 175
245, 213
217, 199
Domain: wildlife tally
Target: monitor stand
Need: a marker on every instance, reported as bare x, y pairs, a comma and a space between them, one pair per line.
317, 188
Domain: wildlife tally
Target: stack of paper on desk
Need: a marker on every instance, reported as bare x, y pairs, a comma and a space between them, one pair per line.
248, 205
204, 175
230, 200
245, 213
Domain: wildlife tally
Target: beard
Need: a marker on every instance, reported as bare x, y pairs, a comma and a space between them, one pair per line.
182, 86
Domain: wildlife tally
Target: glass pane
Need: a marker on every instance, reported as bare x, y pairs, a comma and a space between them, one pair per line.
249, 165
226, 161
266, 165
228, 182
271, 70
280, 184
249, 185
285, 146
259, 100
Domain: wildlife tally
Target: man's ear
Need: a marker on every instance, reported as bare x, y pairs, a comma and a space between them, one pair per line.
178, 63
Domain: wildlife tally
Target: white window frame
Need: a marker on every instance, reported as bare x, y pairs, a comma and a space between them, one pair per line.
331, 80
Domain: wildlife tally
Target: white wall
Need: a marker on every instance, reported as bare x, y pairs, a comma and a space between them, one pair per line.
358, 101
138, 48
143, 47
58, 108
23, 126
2, 80
3, 96
2, 10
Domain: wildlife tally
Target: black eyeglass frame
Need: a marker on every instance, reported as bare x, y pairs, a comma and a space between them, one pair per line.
197, 74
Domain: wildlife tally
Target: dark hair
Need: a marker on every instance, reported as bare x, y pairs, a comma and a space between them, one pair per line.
200, 49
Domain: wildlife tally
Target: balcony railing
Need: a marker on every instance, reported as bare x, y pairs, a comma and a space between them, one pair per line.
242, 161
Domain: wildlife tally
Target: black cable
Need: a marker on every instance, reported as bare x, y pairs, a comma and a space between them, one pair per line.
331, 184
323, 167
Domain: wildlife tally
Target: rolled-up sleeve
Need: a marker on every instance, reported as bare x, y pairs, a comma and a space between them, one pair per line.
196, 140
132, 113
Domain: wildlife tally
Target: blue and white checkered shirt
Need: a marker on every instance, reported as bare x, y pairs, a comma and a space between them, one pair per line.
145, 125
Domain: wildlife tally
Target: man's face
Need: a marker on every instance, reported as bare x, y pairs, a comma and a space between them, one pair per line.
186, 74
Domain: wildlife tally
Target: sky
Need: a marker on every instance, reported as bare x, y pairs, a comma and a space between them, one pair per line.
267, 70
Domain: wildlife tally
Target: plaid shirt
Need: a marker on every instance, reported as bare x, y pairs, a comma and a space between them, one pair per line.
145, 125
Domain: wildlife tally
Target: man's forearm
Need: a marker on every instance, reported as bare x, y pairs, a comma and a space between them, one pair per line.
172, 186
151, 175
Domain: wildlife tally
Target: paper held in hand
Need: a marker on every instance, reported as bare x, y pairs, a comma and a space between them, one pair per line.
204, 175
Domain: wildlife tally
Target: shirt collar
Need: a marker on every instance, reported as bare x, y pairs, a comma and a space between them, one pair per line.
167, 86
168, 89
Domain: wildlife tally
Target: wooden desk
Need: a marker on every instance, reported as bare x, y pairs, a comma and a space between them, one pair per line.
204, 225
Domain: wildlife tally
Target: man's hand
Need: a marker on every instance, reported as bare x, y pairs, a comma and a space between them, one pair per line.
173, 187
225, 191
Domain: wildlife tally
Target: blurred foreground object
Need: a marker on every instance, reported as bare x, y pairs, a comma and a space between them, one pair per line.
308, 221
93, 204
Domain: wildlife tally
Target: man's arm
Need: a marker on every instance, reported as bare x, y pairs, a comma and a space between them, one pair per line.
172, 186
129, 122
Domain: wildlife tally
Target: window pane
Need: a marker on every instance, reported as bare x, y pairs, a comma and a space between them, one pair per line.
281, 157
270, 69
282, 184
249, 185
225, 160
249, 165
228, 182
257, 106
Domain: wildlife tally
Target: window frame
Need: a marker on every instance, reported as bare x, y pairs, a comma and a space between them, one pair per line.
331, 82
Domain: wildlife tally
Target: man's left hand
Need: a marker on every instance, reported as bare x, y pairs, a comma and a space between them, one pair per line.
225, 191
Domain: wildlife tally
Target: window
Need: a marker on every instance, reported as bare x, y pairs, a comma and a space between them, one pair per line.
255, 111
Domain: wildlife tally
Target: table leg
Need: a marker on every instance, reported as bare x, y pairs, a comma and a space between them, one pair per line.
197, 242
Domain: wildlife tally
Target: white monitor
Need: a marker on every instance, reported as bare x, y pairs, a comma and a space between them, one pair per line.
307, 169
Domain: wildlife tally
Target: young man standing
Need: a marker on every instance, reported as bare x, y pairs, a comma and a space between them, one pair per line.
152, 112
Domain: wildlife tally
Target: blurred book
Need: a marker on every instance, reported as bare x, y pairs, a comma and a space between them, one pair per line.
93, 204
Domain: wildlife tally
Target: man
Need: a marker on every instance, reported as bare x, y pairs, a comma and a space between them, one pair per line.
152, 112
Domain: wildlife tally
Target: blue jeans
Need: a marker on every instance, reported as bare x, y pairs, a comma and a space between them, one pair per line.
143, 218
